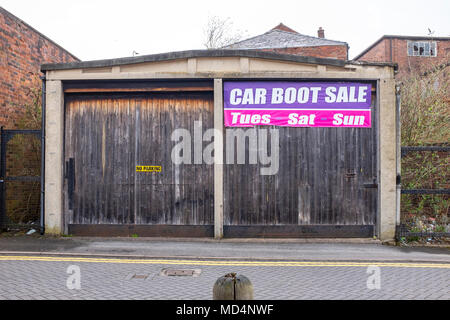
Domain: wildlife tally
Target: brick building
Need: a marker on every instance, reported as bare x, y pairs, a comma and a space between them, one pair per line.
283, 39
22, 51
409, 52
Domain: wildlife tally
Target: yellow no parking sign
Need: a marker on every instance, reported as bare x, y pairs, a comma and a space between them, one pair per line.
148, 168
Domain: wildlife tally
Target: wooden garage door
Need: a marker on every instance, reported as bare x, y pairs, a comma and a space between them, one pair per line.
107, 137
326, 186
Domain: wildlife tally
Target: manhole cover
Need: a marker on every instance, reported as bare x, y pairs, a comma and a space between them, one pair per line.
180, 272
137, 276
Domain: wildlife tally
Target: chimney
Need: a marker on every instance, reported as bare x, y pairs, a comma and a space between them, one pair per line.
321, 33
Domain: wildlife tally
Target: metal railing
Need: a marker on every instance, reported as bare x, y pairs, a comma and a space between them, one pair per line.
5, 137
402, 230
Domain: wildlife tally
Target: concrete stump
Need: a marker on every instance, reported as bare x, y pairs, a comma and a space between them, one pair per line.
232, 287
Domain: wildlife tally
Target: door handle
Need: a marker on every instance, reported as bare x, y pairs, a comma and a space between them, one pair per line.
70, 176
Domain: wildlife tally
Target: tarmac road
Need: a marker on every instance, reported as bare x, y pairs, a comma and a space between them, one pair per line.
318, 250
131, 268
46, 277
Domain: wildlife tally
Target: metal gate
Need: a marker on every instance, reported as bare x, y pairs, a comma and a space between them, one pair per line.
410, 229
20, 180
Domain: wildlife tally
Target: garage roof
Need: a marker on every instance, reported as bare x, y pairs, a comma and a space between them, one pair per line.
207, 53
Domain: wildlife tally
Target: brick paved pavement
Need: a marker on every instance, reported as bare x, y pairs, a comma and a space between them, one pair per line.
47, 280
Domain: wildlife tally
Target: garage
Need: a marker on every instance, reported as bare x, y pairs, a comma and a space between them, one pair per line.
113, 124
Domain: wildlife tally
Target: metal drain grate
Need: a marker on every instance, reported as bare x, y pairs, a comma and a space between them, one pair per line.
136, 276
169, 272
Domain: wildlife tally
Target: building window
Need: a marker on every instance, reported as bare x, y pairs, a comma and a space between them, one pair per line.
422, 48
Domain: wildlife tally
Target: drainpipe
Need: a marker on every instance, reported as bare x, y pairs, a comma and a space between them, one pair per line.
398, 151
42, 220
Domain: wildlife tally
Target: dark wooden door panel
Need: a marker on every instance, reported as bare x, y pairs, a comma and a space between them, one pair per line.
183, 192
321, 178
98, 140
108, 137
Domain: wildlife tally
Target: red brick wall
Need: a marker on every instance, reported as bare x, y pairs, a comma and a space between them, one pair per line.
334, 52
382, 53
408, 64
377, 53
22, 51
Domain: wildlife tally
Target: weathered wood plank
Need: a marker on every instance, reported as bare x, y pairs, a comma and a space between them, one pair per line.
141, 230
298, 231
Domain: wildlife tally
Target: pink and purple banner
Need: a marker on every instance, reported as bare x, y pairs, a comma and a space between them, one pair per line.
297, 104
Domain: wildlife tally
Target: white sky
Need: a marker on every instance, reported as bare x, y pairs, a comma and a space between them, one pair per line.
101, 29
